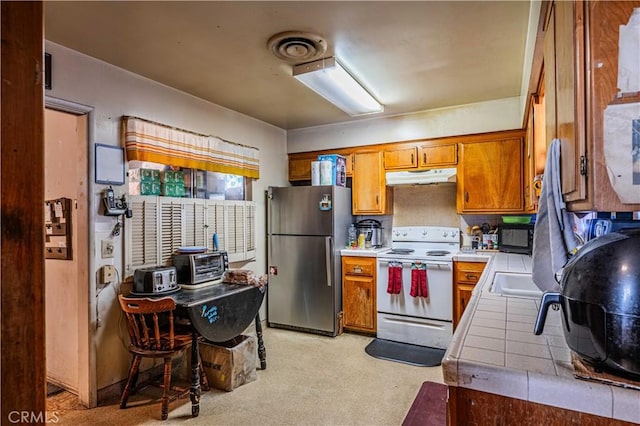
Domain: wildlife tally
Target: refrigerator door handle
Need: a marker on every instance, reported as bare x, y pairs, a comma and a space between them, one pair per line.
328, 242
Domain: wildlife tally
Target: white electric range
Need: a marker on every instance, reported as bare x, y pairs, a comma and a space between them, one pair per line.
424, 321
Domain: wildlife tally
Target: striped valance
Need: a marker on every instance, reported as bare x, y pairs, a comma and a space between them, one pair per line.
145, 140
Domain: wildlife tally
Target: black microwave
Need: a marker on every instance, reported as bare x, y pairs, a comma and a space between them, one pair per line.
516, 238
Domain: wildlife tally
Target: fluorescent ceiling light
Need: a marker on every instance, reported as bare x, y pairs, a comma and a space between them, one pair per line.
331, 81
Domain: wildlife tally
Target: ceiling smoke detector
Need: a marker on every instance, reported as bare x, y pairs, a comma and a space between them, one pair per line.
297, 46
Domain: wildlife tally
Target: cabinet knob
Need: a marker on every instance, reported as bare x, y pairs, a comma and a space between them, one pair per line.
424, 157
471, 276
466, 196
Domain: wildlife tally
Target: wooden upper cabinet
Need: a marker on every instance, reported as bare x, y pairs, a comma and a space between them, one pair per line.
349, 164
581, 71
369, 193
490, 176
438, 155
300, 164
300, 168
405, 158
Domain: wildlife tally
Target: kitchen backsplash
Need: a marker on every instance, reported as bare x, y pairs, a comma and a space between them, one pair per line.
434, 205
425, 205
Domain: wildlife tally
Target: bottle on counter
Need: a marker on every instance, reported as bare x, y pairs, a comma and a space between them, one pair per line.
361, 241
353, 239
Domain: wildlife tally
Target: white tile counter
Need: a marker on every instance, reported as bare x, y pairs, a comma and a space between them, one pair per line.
370, 252
494, 350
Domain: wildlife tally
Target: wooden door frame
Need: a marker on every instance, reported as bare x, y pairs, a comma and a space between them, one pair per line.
23, 366
87, 382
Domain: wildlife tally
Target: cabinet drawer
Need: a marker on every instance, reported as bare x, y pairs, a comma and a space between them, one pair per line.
469, 272
364, 266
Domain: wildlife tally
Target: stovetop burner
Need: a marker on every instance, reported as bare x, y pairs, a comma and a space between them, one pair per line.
400, 251
437, 252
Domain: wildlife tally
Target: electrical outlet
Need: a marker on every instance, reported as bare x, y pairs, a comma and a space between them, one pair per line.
107, 249
108, 274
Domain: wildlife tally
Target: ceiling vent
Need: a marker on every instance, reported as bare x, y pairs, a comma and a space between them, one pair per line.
297, 46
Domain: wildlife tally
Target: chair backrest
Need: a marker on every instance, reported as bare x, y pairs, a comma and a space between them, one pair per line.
145, 329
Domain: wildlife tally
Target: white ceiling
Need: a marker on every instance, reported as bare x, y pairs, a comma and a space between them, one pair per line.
412, 56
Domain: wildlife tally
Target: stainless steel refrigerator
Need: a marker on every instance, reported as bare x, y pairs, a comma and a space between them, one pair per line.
307, 228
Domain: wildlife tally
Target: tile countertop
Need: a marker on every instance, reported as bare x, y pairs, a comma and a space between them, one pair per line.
494, 350
370, 252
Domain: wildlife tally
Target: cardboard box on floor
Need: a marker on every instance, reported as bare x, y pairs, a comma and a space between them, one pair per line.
230, 364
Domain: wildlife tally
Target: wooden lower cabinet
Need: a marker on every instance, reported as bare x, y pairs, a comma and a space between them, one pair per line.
359, 293
465, 278
472, 407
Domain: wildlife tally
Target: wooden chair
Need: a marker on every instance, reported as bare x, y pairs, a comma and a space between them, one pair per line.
153, 334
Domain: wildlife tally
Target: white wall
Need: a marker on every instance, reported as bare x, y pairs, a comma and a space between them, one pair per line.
113, 92
500, 114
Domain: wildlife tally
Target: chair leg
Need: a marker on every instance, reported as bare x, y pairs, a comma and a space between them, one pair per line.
167, 386
133, 375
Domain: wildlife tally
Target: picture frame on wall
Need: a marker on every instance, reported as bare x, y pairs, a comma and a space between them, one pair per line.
109, 164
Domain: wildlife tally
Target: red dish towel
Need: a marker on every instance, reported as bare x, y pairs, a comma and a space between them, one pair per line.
419, 280
394, 283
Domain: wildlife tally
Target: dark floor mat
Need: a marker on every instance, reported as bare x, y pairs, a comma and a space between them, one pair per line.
429, 407
403, 352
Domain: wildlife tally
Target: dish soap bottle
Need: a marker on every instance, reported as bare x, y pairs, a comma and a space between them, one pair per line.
353, 241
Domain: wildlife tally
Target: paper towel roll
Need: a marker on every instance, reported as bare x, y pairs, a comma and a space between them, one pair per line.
326, 172
315, 173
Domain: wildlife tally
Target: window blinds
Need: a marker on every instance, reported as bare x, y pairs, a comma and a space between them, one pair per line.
146, 140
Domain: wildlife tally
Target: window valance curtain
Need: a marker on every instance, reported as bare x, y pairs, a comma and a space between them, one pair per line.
146, 140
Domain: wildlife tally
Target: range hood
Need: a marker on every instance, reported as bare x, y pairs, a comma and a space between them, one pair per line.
421, 177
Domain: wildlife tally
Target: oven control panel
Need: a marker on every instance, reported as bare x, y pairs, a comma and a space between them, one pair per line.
426, 234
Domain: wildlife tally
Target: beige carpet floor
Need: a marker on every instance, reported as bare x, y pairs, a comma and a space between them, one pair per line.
309, 380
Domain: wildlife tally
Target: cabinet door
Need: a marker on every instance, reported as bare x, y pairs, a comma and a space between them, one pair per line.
569, 96
461, 300
465, 277
603, 20
400, 159
490, 176
349, 165
439, 155
358, 301
299, 169
369, 192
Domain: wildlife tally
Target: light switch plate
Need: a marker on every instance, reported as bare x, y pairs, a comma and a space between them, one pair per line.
107, 249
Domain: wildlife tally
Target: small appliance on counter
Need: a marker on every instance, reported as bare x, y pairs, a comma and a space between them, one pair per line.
199, 268
372, 231
516, 238
155, 280
600, 302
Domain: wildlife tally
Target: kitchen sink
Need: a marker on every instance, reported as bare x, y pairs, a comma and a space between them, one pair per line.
515, 285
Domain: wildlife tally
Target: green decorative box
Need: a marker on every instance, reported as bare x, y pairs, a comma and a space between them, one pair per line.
149, 175
173, 189
150, 188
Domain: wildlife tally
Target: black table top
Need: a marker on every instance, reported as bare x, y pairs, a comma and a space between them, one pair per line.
188, 298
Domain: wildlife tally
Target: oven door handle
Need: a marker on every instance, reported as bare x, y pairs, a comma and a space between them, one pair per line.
438, 264
427, 263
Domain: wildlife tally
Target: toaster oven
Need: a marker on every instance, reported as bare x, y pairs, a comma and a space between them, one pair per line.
199, 268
